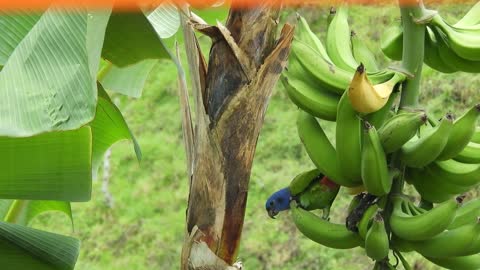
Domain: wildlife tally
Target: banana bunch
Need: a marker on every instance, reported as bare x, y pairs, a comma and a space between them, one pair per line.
378, 145
442, 163
447, 235
448, 48
318, 75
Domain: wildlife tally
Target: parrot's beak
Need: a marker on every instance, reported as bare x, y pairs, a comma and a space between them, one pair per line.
272, 213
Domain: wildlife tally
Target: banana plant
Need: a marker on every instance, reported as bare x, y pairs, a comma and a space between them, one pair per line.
56, 118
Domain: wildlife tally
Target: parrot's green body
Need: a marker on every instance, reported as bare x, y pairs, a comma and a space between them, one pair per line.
311, 190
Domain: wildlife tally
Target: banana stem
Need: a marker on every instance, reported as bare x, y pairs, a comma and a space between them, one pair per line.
413, 53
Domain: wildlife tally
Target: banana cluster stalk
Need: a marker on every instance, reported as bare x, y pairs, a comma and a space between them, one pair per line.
377, 145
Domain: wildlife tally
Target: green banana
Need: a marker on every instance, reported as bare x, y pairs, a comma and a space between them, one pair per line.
476, 135
430, 188
338, 41
362, 54
309, 98
323, 232
366, 220
306, 61
415, 210
469, 154
450, 59
400, 128
391, 42
466, 214
419, 153
353, 203
456, 173
400, 244
465, 42
331, 15
450, 243
302, 181
304, 34
378, 118
422, 226
471, 262
472, 17
461, 133
432, 55
327, 75
374, 168
349, 139
320, 149
376, 240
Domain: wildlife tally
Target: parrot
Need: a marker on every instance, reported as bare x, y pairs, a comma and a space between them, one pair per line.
311, 190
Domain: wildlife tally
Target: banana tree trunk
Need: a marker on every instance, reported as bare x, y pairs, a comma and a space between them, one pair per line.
231, 96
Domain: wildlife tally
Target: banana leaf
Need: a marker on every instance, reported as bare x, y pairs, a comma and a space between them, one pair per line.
26, 248
48, 81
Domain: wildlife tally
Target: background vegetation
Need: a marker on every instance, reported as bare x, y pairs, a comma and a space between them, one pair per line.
145, 228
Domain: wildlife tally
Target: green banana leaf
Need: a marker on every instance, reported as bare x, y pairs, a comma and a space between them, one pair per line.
48, 80
26, 248
13, 28
128, 80
131, 38
4, 207
108, 127
22, 212
165, 19
50, 166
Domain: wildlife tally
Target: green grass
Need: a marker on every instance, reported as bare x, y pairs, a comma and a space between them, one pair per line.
145, 228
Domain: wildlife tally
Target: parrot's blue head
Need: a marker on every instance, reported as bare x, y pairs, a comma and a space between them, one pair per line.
279, 201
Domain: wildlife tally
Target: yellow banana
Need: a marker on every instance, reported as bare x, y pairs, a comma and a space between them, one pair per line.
366, 97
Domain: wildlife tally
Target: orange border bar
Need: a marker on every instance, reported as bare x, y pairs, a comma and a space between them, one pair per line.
133, 4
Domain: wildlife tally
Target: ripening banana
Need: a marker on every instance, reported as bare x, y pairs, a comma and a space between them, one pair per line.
338, 41
374, 168
418, 153
378, 118
464, 41
376, 240
467, 214
349, 141
391, 42
304, 34
366, 97
421, 226
462, 241
471, 262
469, 154
310, 98
320, 149
400, 129
471, 18
461, 133
362, 54
322, 231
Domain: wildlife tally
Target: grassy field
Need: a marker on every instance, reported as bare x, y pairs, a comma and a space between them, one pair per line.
145, 228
